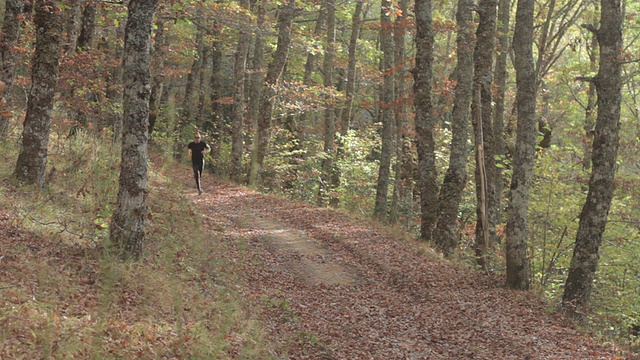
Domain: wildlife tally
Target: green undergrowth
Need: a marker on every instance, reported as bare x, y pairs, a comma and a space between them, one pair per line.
63, 296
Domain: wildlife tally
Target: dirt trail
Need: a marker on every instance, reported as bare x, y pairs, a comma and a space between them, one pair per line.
333, 288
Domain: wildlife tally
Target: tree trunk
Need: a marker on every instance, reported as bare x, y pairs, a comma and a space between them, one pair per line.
114, 85
204, 84
157, 79
446, 231
238, 113
10, 35
88, 27
276, 67
425, 121
127, 227
518, 273
192, 79
215, 125
485, 174
328, 162
255, 81
386, 101
590, 110
399, 199
312, 57
45, 65
595, 210
72, 14
501, 74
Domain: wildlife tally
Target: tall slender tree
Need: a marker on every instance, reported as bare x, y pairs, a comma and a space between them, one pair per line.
328, 162
606, 141
114, 85
276, 67
256, 78
446, 232
158, 73
238, 112
191, 87
33, 157
127, 227
500, 86
518, 274
386, 111
14, 10
425, 121
72, 14
401, 185
88, 25
349, 90
481, 116
590, 106
215, 124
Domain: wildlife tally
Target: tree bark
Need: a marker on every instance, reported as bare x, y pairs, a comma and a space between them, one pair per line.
192, 79
590, 109
255, 80
347, 111
276, 67
32, 160
312, 58
328, 162
127, 227
446, 231
215, 124
518, 273
482, 109
386, 102
72, 26
10, 35
501, 74
425, 121
593, 218
114, 85
157, 79
238, 112
88, 26
402, 186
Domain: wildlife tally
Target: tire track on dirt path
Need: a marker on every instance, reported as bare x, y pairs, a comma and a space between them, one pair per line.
309, 261
333, 288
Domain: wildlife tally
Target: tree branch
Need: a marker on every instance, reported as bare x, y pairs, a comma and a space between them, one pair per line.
590, 79
590, 27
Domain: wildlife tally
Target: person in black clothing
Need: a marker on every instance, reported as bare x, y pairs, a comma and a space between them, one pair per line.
198, 149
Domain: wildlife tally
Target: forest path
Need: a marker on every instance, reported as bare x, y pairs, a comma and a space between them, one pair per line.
327, 286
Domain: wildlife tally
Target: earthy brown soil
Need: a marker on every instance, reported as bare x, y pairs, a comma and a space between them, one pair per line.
327, 286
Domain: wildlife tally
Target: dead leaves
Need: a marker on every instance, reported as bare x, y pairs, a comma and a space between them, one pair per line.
405, 305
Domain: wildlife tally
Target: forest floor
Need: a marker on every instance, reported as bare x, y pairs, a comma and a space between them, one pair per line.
336, 287
315, 283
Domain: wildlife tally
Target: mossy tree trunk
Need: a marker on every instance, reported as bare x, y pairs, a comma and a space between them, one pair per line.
481, 116
424, 120
8, 40
127, 227
238, 112
518, 273
386, 116
45, 65
328, 161
606, 141
446, 231
263, 132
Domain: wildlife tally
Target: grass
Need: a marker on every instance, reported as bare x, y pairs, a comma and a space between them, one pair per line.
63, 296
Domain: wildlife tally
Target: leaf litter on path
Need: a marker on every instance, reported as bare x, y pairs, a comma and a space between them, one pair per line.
333, 287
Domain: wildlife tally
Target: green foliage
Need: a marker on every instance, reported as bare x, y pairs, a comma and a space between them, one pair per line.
359, 171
